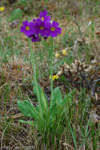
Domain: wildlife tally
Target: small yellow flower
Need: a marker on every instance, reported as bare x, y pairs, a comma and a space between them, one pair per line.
2, 8
56, 54
54, 77
64, 52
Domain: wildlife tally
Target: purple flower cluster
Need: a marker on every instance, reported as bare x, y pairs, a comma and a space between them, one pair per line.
41, 26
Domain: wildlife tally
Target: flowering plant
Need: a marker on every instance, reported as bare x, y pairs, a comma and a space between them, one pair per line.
41, 26
47, 117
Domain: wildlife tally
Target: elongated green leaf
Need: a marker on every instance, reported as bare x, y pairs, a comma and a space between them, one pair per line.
16, 14
72, 132
57, 97
69, 97
0, 21
43, 103
35, 90
53, 111
37, 108
63, 108
66, 102
28, 109
32, 123
53, 114
21, 2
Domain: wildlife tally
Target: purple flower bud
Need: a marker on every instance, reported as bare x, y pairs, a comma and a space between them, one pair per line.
34, 38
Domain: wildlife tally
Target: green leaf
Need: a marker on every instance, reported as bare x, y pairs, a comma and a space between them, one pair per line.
28, 109
16, 14
22, 2
53, 111
34, 88
37, 108
66, 102
72, 132
32, 123
57, 97
43, 103
69, 97
0, 21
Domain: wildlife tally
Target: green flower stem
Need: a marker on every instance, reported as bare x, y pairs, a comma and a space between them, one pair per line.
34, 71
51, 69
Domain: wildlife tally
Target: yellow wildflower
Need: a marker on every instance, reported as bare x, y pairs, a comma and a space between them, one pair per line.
64, 52
56, 54
54, 77
2, 8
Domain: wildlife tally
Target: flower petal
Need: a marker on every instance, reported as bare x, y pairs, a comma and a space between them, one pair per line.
53, 34
58, 30
25, 23
41, 14
45, 13
22, 29
55, 24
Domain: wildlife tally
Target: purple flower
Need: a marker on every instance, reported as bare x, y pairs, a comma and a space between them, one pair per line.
36, 20
43, 16
27, 28
35, 38
42, 28
54, 29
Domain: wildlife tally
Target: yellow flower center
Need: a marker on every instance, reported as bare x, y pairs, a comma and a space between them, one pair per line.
2, 8
52, 29
27, 28
43, 18
41, 27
